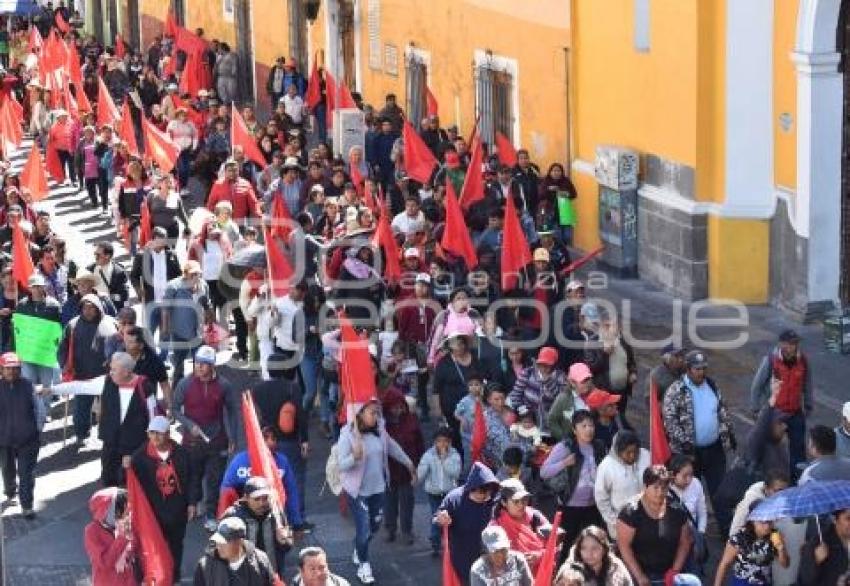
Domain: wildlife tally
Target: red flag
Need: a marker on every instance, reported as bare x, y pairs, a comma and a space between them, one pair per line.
346, 100
577, 264
61, 23
419, 161
449, 575
506, 150
22, 267
279, 269
330, 97
159, 147
239, 135
473, 184
432, 108
384, 238
261, 459
157, 563
72, 66
11, 132
355, 367
356, 178
33, 177
120, 47
456, 237
145, 224
70, 103
107, 113
546, 569
170, 27
368, 196
127, 132
281, 218
479, 433
314, 88
659, 448
54, 164
515, 251
35, 40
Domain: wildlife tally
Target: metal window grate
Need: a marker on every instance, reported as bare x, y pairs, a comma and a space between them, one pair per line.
494, 90
417, 79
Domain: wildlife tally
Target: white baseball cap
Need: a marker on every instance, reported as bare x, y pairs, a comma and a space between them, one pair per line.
205, 355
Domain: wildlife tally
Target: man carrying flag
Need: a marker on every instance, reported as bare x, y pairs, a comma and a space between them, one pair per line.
166, 478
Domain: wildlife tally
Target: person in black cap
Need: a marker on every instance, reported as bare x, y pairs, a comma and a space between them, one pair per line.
231, 559
785, 377
697, 421
672, 368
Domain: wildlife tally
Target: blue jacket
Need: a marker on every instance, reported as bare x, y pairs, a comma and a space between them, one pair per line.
239, 471
469, 518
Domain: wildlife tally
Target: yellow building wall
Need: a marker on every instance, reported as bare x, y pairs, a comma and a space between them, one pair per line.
210, 17
738, 259
711, 104
784, 93
152, 14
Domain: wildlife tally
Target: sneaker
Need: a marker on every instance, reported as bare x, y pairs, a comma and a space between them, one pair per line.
210, 525
364, 573
354, 559
29, 515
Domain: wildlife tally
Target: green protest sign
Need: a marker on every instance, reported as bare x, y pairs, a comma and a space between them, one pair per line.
566, 210
36, 339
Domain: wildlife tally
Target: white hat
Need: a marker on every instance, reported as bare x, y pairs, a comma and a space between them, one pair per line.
205, 355
495, 539
411, 252
423, 278
845, 411
159, 424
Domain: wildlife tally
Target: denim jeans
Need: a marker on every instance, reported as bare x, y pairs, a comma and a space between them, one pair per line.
368, 512
154, 321
321, 114
82, 416
436, 535
332, 391
796, 442
310, 368
183, 168
710, 462
18, 464
400, 501
292, 451
37, 374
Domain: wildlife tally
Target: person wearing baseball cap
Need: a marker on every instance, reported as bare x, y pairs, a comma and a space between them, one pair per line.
525, 526
697, 421
231, 558
671, 368
181, 320
784, 376
570, 400
539, 385
608, 420
499, 560
23, 419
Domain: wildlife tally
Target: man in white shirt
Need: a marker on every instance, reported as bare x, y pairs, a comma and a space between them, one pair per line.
293, 105
412, 216
288, 324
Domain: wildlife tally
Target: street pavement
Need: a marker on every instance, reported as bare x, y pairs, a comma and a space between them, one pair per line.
49, 549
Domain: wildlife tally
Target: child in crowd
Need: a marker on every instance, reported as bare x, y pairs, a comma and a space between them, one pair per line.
525, 433
688, 490
750, 552
465, 414
439, 472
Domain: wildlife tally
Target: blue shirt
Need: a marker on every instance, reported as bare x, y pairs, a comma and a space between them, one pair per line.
239, 471
706, 421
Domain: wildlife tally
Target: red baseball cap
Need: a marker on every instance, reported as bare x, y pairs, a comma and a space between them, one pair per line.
10, 360
547, 356
597, 398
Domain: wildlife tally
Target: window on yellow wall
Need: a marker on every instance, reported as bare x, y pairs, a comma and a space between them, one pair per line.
227, 9
642, 22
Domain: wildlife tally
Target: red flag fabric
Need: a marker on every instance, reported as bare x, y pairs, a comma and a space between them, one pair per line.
16, 108
546, 569
54, 164
83, 100
157, 563
506, 150
479, 433
70, 103
36, 42
107, 113
355, 367
515, 251
61, 23
368, 196
659, 448
384, 238
473, 184
419, 161
11, 132
330, 97
127, 132
120, 47
356, 178
145, 224
239, 135
261, 459
33, 177
159, 147
314, 88
279, 269
170, 27
432, 108
281, 218
449, 575
72, 66
346, 100
578, 263
22, 267
456, 237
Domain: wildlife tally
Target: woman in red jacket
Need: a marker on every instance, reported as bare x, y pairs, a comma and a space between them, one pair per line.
109, 541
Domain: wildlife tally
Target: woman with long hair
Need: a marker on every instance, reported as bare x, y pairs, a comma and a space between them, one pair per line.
526, 527
750, 552
592, 561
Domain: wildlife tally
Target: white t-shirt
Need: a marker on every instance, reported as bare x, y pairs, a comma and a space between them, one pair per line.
160, 274
286, 310
126, 395
213, 261
294, 107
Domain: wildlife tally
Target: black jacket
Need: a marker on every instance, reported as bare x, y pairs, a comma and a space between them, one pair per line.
269, 396
18, 425
170, 510
254, 571
574, 472
597, 360
141, 275
835, 564
260, 531
117, 285
124, 436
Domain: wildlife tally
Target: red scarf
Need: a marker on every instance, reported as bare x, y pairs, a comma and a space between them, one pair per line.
166, 476
522, 537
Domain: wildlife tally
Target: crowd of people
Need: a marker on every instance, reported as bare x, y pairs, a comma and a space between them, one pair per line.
508, 401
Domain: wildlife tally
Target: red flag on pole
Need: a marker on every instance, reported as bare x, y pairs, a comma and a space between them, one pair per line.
515, 251
22, 267
239, 135
33, 177
145, 224
157, 563
578, 263
659, 448
54, 164
280, 271
159, 147
432, 108
313, 95
120, 47
479, 433
355, 367
61, 23
11, 132
281, 218
170, 27
72, 66
449, 575
546, 569
456, 237
419, 161
506, 150
36, 42
107, 113
346, 100
473, 184
384, 239
261, 459
368, 196
127, 132
330, 97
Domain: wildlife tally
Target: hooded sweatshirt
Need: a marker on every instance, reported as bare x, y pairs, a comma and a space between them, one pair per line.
110, 553
406, 431
88, 358
469, 518
617, 483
